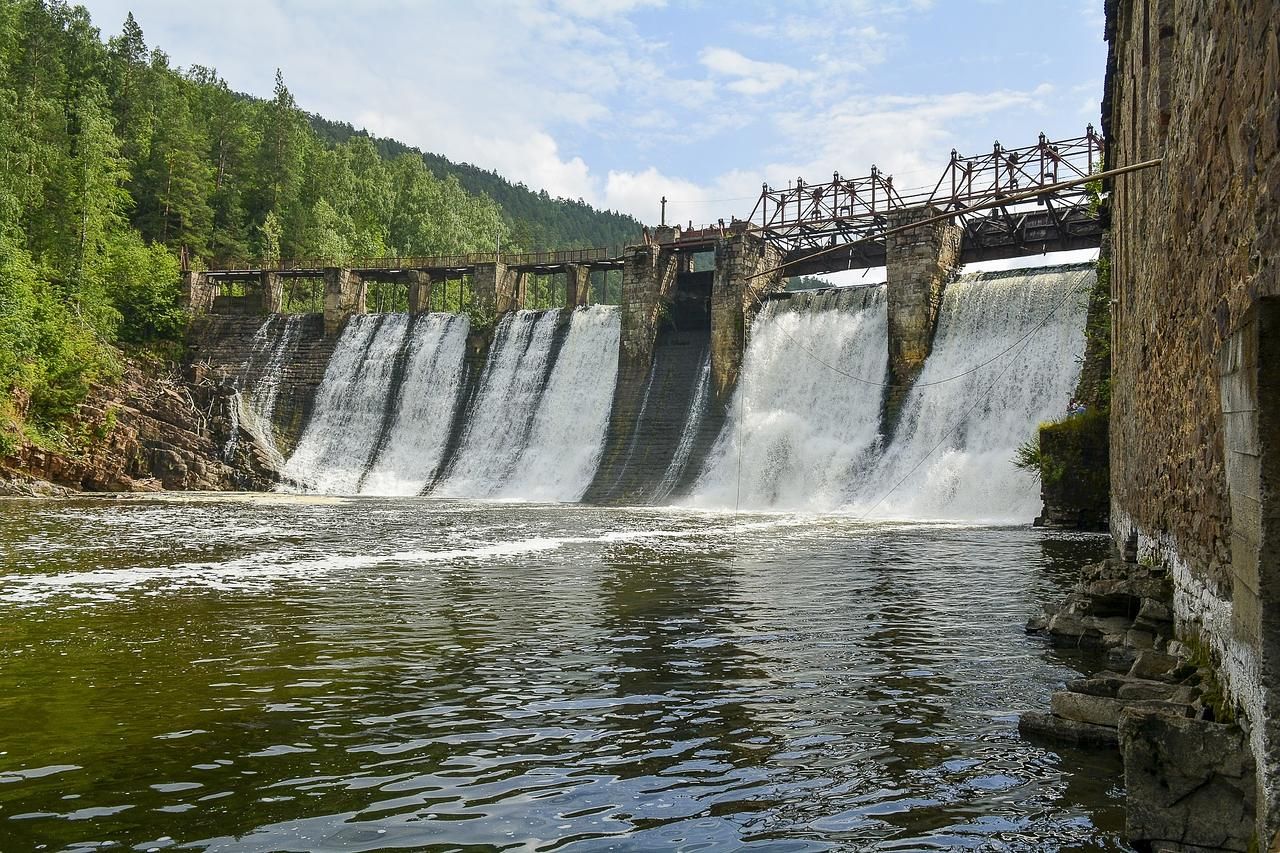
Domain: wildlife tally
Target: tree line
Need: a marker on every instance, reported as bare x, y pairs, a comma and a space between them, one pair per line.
115, 167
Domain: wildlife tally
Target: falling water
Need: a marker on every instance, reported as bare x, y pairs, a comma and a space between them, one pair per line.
953, 453
511, 388
798, 432
417, 433
350, 406
275, 342
804, 427
689, 437
567, 437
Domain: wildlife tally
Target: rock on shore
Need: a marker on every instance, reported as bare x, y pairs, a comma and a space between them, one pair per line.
145, 433
1189, 774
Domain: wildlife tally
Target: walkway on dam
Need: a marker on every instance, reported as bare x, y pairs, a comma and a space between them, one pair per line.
1009, 202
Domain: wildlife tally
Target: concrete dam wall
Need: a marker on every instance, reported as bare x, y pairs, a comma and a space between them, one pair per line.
556, 408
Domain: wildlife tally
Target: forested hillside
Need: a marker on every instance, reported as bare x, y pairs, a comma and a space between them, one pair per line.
535, 220
114, 165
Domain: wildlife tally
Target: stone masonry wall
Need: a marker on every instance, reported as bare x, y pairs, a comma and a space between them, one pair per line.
1196, 244
919, 263
742, 277
220, 347
648, 274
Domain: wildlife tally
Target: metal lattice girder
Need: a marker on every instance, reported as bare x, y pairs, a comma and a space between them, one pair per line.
808, 216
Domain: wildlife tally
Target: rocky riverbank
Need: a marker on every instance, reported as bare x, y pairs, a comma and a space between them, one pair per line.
1189, 774
147, 431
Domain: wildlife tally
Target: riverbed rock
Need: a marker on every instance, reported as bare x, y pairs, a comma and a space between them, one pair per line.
1189, 783
148, 431
1053, 727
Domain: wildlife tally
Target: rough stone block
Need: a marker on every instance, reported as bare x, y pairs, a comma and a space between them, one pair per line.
1187, 781
1036, 724
1152, 665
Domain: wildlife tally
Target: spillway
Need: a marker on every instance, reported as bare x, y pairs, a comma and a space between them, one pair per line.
804, 430
402, 411
560, 456
351, 405
416, 433
274, 344
1006, 357
799, 433
405, 408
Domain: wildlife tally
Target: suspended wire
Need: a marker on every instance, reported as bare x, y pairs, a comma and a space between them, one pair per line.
972, 370
955, 426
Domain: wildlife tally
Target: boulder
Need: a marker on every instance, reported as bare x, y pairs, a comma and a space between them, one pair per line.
1189, 783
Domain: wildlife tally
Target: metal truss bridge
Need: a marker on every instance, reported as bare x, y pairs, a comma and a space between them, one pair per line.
993, 197
1009, 202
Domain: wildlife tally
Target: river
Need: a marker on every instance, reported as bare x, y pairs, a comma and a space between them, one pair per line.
281, 673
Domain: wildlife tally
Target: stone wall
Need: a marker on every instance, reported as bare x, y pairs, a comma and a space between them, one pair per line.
344, 295
918, 264
1195, 246
648, 275
228, 349
746, 269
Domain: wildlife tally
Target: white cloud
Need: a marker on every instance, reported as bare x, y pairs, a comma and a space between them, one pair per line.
574, 97
749, 76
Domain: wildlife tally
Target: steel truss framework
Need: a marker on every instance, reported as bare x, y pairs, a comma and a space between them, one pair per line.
846, 218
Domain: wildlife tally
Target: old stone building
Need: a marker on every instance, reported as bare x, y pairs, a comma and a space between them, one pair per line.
1195, 428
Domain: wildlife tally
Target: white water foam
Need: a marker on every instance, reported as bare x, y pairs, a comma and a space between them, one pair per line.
809, 436
963, 432
568, 433
350, 406
418, 433
798, 434
502, 417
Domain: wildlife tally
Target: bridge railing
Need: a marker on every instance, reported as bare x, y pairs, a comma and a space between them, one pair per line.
847, 210
437, 262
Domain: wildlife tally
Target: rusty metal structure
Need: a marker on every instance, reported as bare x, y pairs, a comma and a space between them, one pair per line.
836, 225
840, 224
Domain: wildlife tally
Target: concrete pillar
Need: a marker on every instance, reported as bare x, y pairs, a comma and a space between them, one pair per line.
578, 287
419, 282
272, 292
746, 269
494, 288
344, 295
648, 273
197, 292
520, 290
1249, 385
918, 264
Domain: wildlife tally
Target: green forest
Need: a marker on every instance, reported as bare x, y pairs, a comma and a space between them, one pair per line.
115, 166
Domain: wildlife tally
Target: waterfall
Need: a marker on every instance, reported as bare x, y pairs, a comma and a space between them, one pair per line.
351, 404
802, 436
274, 344
567, 437
689, 437
500, 422
952, 457
798, 433
417, 432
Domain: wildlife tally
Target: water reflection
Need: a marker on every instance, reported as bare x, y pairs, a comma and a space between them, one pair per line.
379, 675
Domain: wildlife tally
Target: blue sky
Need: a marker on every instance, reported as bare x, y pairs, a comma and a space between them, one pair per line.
622, 101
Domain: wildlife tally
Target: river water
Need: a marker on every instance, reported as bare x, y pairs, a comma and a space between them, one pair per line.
280, 673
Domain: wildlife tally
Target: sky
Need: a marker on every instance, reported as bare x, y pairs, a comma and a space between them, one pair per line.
620, 102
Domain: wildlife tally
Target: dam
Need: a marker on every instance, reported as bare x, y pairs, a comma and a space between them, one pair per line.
403, 408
